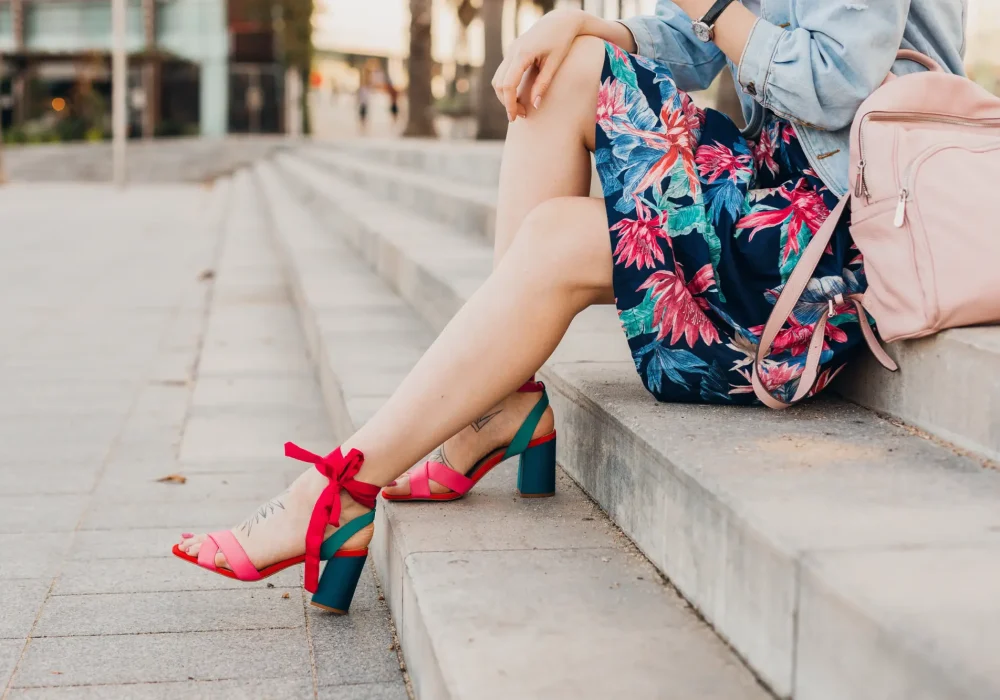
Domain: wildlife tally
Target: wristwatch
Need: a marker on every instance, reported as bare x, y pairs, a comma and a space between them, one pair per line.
704, 28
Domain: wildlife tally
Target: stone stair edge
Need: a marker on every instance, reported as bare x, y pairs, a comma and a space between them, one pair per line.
395, 558
779, 673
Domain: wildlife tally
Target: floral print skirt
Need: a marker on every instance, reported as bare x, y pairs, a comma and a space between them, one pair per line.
706, 227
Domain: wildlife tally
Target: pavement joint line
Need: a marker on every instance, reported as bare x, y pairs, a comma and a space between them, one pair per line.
313, 671
288, 589
214, 224
172, 632
138, 683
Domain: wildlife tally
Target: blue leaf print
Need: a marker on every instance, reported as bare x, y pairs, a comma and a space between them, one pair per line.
669, 363
715, 386
608, 168
725, 196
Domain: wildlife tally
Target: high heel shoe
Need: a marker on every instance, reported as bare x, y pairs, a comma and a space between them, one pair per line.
334, 590
536, 475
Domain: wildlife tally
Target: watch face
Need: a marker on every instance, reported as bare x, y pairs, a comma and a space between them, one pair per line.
703, 31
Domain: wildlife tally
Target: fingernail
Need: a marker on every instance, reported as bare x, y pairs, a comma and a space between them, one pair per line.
538, 102
391, 483
187, 535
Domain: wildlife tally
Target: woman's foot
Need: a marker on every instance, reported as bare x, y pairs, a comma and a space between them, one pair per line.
492, 431
277, 529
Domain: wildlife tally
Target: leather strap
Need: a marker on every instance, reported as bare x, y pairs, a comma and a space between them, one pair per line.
783, 308
523, 435
715, 11
345, 533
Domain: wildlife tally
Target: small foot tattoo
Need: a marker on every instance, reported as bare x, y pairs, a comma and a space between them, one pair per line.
480, 423
269, 508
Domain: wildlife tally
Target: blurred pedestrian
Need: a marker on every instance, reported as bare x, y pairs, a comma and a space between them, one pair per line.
364, 98
393, 99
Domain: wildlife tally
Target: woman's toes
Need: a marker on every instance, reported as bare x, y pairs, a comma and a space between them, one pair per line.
191, 545
400, 487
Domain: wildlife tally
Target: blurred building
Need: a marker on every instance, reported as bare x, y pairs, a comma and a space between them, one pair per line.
195, 66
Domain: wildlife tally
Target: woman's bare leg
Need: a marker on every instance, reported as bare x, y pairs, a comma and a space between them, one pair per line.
546, 155
559, 262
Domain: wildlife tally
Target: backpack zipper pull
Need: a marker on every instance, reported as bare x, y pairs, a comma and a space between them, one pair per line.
901, 209
859, 185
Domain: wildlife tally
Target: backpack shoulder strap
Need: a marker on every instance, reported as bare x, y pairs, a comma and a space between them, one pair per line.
785, 305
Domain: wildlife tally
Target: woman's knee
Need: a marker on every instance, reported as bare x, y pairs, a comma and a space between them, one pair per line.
566, 241
573, 91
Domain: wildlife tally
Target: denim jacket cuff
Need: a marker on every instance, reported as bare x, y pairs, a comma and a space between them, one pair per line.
757, 58
643, 38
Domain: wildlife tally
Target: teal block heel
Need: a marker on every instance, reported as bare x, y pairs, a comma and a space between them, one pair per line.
338, 583
536, 477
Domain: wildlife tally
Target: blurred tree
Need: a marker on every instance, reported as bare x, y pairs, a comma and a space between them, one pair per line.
419, 95
291, 21
491, 119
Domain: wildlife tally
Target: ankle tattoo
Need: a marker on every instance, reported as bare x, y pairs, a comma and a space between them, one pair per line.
480, 423
439, 456
269, 508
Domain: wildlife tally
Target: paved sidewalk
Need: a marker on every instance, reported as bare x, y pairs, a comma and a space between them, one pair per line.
144, 334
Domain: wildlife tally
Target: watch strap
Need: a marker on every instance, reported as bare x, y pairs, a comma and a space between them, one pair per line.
715, 11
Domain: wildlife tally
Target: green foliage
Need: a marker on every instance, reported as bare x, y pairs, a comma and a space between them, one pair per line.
639, 320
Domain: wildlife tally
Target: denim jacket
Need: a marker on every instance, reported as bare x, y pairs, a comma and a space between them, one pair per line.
811, 61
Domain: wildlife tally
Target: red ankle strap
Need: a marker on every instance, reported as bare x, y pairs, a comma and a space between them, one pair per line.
340, 471
531, 386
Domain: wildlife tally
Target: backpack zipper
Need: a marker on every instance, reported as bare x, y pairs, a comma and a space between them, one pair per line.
910, 174
861, 185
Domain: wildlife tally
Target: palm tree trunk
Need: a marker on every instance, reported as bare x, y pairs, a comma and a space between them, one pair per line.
421, 119
490, 115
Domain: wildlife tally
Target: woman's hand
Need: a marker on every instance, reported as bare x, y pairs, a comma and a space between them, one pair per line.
543, 47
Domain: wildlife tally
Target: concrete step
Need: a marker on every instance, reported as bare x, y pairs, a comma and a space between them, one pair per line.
843, 556
468, 207
493, 596
949, 386
473, 162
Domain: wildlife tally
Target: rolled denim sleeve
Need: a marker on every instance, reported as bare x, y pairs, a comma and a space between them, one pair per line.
821, 72
667, 37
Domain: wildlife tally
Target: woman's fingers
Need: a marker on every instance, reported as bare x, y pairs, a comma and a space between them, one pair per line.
546, 72
519, 65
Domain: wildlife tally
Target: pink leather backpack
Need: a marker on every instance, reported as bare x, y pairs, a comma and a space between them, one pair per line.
925, 160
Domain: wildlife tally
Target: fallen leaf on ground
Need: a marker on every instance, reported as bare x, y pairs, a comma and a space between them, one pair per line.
173, 479
206, 275
284, 595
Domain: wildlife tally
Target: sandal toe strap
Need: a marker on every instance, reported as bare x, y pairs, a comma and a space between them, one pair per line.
232, 550
446, 476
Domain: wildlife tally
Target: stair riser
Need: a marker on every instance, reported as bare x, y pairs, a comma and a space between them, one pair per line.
868, 660
742, 586
434, 300
477, 167
947, 386
458, 212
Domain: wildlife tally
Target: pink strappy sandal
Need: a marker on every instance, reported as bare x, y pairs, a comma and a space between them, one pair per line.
536, 475
335, 589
